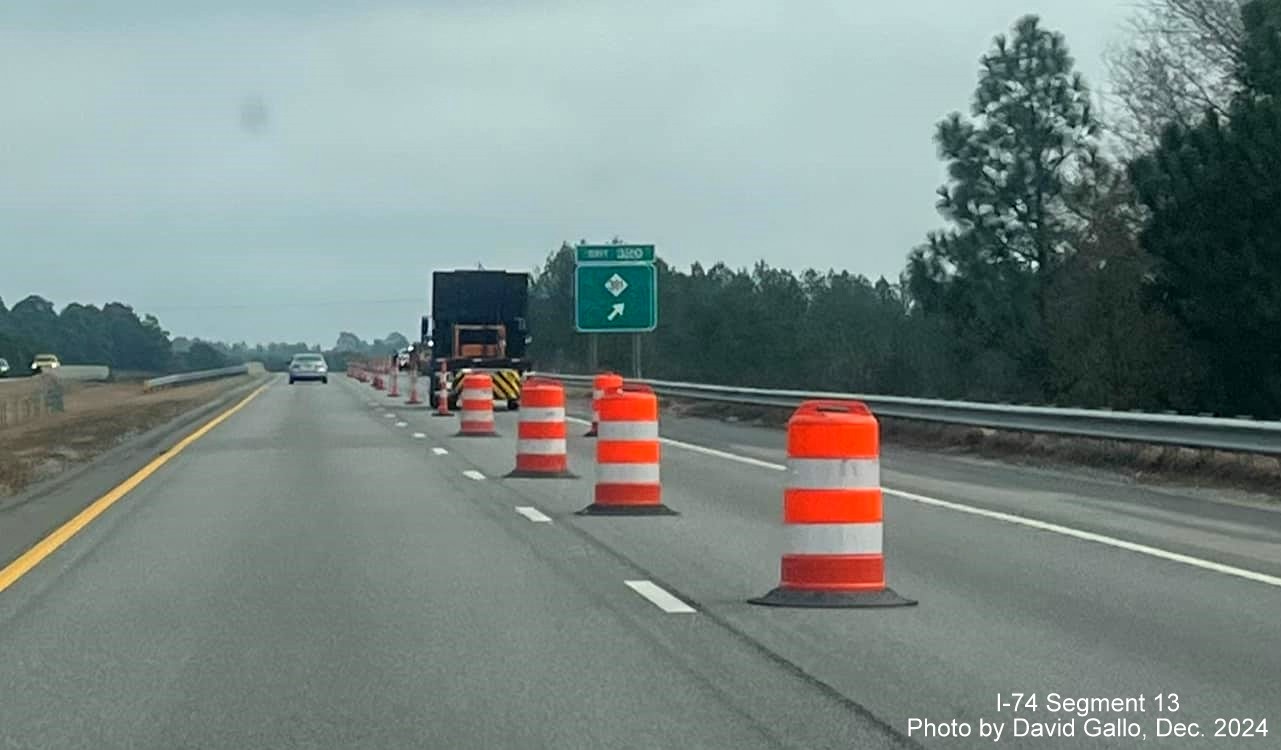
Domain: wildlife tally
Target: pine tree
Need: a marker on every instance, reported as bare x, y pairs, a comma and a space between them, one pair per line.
1214, 196
1011, 165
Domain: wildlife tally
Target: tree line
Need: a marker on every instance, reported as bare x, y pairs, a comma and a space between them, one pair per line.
112, 335
1130, 261
116, 336
275, 356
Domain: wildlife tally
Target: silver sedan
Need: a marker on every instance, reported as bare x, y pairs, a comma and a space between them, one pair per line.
308, 366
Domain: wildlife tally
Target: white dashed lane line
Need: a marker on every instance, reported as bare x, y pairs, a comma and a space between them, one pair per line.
402, 424
419, 435
533, 514
439, 451
659, 597
473, 474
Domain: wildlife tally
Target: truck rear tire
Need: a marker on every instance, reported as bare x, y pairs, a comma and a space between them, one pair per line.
513, 404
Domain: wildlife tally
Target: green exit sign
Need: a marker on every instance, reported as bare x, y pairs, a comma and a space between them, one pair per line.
615, 253
615, 298
615, 289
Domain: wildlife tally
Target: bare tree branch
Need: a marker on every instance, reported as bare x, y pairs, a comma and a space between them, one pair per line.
1181, 61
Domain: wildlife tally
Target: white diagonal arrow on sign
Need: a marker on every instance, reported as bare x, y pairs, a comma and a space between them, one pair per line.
618, 310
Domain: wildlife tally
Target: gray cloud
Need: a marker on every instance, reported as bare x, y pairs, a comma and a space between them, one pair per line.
404, 137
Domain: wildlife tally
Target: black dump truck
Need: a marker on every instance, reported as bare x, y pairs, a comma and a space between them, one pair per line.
477, 324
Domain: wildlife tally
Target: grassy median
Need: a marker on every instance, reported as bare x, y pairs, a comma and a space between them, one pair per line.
95, 418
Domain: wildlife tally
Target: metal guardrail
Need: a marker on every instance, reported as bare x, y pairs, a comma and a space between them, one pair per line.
195, 377
1218, 433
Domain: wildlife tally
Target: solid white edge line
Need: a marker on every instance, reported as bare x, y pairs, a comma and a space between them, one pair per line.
1031, 523
533, 514
1090, 536
660, 598
473, 474
439, 451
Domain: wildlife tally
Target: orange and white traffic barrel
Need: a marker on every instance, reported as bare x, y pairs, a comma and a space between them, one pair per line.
628, 455
413, 385
442, 392
477, 401
605, 381
394, 371
541, 448
832, 512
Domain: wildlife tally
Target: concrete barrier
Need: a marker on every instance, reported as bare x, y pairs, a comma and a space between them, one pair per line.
83, 373
70, 373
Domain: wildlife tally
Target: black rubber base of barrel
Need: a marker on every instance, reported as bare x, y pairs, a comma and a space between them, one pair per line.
476, 434
596, 509
518, 474
781, 597
438, 414
590, 433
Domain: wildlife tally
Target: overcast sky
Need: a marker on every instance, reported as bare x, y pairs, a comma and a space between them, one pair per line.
251, 169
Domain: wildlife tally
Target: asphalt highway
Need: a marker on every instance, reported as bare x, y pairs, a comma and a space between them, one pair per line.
331, 568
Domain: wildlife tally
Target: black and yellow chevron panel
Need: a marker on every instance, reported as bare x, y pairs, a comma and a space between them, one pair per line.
506, 383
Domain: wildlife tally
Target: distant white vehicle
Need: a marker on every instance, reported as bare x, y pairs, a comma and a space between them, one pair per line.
4, 367
44, 362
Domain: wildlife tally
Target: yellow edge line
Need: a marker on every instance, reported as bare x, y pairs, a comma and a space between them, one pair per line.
47, 546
